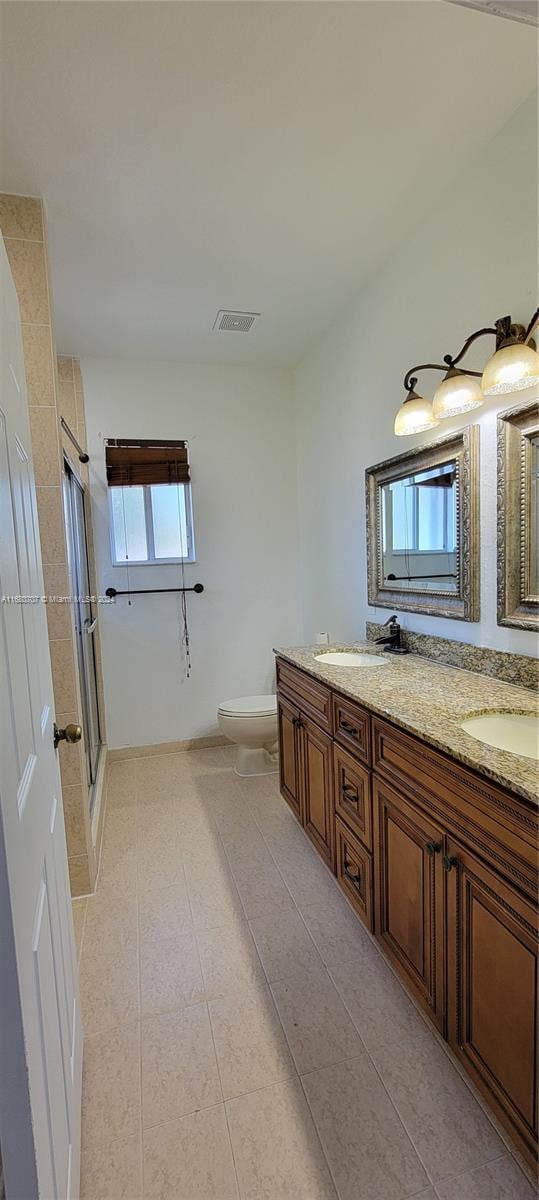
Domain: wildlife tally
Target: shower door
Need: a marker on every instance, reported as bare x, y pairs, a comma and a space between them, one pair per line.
85, 622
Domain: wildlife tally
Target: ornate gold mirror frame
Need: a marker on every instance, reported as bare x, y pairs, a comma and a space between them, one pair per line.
518, 534
462, 449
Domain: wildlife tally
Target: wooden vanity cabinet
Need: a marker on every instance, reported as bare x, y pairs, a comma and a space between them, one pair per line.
409, 896
492, 986
441, 863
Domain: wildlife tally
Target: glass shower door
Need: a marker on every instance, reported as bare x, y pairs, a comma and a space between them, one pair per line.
85, 623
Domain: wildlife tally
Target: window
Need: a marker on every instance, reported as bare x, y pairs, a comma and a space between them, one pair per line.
421, 512
151, 523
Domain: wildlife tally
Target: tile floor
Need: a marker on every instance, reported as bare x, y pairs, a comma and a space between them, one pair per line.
245, 1040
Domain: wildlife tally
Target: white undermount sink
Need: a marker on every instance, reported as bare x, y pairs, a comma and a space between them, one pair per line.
516, 732
347, 658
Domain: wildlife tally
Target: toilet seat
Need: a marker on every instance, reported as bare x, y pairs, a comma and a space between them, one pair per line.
246, 707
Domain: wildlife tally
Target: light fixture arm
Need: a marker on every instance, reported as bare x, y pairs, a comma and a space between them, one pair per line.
532, 325
452, 362
410, 379
502, 331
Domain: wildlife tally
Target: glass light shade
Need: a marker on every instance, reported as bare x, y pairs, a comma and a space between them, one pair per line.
415, 414
457, 393
511, 369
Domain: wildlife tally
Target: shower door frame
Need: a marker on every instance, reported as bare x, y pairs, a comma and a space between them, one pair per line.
78, 557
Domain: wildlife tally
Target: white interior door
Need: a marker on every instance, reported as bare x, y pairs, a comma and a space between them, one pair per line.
40, 1026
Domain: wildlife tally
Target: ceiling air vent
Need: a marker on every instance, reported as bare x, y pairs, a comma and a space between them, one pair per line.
234, 322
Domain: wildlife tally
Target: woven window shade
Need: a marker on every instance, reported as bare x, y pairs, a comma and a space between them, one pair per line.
132, 462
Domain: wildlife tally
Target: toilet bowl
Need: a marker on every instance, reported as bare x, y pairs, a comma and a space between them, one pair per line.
251, 722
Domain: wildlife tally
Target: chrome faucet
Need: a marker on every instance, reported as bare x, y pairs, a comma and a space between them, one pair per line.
392, 642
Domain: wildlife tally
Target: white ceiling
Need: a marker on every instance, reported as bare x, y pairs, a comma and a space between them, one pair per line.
259, 156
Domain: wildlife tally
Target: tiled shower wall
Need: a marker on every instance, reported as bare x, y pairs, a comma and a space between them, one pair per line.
54, 389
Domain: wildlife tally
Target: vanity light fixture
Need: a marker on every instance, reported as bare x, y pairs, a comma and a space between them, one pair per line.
513, 367
415, 414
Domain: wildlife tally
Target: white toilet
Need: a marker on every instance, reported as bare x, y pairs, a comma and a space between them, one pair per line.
251, 722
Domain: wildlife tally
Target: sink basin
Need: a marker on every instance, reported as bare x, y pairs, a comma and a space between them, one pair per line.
346, 658
516, 732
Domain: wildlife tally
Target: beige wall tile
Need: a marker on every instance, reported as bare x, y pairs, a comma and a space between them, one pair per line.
65, 369
63, 675
79, 875
21, 217
38, 364
45, 445
27, 262
51, 523
72, 764
73, 798
79, 915
56, 583
66, 403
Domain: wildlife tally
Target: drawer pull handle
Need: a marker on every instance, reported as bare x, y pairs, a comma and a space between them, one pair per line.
349, 793
433, 847
297, 723
350, 729
450, 862
355, 879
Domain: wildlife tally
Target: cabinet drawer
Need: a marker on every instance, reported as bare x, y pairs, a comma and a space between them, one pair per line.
353, 795
352, 727
354, 872
313, 698
495, 823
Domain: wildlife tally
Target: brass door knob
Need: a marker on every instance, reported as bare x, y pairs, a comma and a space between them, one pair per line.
71, 733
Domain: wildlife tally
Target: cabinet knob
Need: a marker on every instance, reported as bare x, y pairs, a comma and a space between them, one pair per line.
433, 847
450, 862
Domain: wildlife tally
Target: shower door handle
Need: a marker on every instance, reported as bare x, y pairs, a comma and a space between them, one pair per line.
90, 625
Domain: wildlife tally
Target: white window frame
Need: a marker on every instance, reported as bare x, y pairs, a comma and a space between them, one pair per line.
403, 551
152, 561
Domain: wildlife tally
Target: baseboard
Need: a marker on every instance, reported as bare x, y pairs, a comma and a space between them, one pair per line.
200, 743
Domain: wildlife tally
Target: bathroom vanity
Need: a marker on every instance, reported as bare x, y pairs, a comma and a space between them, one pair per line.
432, 835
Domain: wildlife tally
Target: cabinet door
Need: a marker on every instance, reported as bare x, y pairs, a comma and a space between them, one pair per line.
318, 815
409, 883
290, 754
492, 987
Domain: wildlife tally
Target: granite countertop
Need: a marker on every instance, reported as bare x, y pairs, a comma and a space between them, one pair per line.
430, 701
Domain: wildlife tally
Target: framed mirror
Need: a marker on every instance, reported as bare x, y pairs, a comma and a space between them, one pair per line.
518, 517
423, 529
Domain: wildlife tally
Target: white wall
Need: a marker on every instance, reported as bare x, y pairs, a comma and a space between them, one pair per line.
474, 259
240, 426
